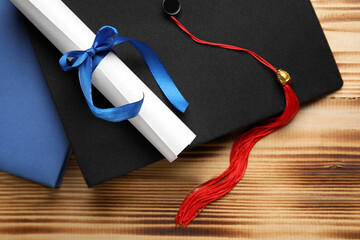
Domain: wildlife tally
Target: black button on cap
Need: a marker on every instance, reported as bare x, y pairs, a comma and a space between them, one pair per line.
171, 7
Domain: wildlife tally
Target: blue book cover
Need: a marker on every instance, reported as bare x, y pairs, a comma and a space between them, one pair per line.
33, 144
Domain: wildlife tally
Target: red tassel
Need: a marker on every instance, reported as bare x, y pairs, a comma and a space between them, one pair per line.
217, 187
207, 192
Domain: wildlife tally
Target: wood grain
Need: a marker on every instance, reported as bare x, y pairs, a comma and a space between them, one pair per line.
302, 182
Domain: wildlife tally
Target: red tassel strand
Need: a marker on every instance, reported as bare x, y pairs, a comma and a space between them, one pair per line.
209, 191
220, 45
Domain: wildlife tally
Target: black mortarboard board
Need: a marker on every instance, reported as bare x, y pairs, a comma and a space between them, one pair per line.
226, 90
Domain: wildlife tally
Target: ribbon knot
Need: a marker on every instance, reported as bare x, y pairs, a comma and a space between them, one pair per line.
91, 52
87, 61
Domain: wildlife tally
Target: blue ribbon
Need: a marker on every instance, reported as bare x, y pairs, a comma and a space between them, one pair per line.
87, 61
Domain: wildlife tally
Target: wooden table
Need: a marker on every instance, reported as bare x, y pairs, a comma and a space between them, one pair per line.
301, 182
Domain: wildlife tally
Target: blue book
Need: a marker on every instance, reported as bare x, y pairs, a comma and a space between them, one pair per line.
33, 144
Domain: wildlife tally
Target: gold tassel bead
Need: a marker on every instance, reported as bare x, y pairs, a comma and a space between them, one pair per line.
283, 77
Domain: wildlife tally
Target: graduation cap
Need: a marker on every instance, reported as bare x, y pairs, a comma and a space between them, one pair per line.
226, 90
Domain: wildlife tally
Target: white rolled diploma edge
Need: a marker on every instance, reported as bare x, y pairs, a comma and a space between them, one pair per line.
112, 77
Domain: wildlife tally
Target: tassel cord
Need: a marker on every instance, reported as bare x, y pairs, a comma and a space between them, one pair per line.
226, 46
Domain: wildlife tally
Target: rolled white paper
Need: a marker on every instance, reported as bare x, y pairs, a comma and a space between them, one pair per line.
112, 77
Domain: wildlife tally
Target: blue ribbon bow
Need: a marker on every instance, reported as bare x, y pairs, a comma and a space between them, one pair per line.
87, 61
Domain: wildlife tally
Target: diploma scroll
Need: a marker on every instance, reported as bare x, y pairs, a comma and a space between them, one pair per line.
112, 77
